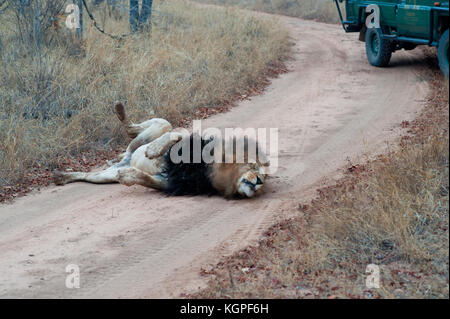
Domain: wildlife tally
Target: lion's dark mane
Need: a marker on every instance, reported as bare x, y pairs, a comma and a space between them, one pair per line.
188, 178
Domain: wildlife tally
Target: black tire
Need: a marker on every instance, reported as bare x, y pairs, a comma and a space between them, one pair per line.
378, 50
443, 53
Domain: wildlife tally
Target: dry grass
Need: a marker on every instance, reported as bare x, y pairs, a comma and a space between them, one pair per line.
320, 10
392, 212
61, 104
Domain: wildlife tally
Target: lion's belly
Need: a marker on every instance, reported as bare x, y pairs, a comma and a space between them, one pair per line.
149, 166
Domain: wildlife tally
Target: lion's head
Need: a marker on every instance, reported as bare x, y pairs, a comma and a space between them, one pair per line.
232, 176
251, 182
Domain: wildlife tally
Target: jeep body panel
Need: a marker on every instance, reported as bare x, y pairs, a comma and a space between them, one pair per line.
418, 21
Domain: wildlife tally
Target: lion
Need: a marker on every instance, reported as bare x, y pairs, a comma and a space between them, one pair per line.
148, 162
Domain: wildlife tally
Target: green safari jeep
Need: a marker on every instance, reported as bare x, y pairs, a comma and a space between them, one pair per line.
390, 25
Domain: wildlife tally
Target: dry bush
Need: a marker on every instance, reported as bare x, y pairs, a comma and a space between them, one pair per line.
33, 18
392, 212
321, 10
60, 102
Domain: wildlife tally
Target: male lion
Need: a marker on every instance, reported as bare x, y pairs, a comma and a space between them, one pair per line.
147, 162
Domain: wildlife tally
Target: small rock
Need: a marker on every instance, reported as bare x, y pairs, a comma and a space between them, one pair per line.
368, 294
387, 244
302, 293
400, 294
444, 191
380, 256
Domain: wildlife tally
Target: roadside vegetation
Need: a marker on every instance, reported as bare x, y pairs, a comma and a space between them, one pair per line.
320, 10
392, 212
57, 91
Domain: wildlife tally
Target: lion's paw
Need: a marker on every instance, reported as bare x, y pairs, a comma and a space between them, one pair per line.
126, 176
151, 154
58, 178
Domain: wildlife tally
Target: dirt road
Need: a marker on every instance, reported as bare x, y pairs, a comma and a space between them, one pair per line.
134, 242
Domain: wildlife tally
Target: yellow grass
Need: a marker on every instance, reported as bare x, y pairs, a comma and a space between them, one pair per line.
62, 104
321, 10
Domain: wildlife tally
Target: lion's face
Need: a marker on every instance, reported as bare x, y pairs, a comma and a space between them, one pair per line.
250, 183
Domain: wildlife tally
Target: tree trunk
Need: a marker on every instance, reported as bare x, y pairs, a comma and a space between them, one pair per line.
37, 27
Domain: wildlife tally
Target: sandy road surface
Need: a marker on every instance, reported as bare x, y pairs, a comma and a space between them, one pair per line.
134, 242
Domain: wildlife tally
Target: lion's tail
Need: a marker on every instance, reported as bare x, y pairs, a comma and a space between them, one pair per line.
119, 109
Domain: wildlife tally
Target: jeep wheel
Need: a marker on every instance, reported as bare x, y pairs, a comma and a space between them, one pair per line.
443, 53
379, 50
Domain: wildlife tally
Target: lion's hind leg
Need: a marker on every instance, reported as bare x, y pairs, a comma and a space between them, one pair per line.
125, 175
107, 176
162, 144
132, 176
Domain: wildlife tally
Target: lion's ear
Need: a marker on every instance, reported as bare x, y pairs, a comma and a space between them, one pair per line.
264, 170
264, 163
